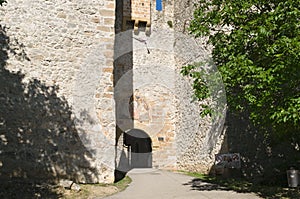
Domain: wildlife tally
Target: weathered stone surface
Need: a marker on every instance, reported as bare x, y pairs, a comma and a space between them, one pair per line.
54, 123
162, 99
65, 101
75, 187
66, 183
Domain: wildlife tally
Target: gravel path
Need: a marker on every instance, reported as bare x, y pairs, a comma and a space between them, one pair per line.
157, 184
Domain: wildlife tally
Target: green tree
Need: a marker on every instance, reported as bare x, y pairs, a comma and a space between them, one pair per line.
256, 47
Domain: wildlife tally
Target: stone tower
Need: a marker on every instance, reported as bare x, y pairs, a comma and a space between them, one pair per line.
90, 89
151, 46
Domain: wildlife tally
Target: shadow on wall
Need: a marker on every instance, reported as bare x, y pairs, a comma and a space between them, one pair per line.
123, 66
38, 139
262, 161
122, 93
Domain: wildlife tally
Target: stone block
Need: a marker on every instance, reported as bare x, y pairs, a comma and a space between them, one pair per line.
104, 28
107, 13
65, 183
75, 187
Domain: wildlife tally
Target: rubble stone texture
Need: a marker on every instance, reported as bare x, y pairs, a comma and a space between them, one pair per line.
68, 116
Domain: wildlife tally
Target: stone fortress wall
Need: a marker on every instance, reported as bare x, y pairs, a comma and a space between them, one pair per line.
69, 45
79, 65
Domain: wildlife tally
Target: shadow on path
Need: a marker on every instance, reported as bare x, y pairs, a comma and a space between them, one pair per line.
241, 186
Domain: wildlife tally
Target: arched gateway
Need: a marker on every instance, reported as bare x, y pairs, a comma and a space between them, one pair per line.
140, 148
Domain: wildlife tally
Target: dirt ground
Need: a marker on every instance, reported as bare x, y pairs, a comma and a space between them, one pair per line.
17, 190
90, 192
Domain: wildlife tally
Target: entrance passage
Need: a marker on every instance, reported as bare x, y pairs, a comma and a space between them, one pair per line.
140, 148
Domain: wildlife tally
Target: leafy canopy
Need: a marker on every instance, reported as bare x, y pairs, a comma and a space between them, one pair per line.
256, 47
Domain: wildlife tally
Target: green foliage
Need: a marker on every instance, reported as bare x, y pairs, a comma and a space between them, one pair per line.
200, 85
256, 47
123, 184
208, 88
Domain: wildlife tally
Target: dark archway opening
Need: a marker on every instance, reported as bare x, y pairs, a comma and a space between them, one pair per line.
136, 152
140, 148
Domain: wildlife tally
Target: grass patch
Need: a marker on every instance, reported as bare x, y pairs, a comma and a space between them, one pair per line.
123, 184
243, 186
96, 190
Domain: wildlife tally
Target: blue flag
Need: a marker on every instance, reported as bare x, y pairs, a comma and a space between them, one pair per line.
159, 5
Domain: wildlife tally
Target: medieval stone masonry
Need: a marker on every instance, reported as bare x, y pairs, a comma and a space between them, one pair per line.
90, 89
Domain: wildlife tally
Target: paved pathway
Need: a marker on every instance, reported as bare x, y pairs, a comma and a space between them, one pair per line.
157, 184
